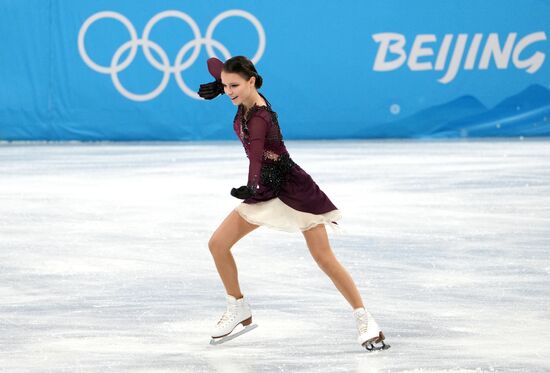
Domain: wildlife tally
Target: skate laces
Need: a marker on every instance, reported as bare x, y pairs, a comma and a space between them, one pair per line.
228, 315
362, 324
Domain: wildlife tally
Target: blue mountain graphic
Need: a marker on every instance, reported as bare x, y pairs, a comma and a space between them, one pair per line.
426, 121
524, 114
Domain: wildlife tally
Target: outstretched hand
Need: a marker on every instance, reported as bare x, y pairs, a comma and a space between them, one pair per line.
242, 192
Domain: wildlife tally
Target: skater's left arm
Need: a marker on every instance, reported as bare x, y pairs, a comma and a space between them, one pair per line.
257, 128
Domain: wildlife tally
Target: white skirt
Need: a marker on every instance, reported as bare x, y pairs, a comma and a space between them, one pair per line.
275, 214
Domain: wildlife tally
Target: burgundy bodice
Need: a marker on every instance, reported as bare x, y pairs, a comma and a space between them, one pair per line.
259, 131
271, 172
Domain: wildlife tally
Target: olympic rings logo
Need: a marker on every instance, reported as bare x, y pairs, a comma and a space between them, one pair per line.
164, 65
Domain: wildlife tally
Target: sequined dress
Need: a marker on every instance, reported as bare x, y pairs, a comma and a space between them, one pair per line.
286, 198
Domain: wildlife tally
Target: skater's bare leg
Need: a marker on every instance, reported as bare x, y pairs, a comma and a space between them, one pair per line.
319, 247
231, 230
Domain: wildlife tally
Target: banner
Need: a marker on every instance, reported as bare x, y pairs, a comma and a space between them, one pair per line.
122, 70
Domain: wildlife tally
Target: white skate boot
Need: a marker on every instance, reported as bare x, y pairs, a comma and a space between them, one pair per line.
369, 331
237, 312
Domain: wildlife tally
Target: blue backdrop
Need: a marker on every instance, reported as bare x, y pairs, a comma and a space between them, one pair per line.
127, 70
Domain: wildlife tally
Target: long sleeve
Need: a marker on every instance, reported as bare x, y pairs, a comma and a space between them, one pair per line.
257, 128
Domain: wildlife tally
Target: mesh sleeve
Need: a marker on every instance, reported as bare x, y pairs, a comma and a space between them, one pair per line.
257, 128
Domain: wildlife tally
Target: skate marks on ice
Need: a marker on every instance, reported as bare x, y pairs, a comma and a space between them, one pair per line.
454, 237
234, 334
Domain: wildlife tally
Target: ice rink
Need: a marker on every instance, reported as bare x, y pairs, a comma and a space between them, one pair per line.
105, 265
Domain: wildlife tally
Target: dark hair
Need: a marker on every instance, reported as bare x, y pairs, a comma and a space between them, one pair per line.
244, 67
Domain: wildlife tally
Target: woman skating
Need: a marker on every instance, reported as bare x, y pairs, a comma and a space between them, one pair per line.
278, 194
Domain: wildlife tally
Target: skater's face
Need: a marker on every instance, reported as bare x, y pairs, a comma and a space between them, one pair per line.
237, 88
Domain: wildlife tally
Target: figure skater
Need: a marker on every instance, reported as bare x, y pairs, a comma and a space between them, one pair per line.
278, 194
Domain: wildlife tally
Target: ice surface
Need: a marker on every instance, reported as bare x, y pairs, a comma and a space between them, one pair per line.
104, 264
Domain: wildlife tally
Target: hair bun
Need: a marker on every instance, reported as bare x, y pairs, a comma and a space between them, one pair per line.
259, 81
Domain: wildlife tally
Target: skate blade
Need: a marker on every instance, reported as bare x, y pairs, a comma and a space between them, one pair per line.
371, 346
227, 338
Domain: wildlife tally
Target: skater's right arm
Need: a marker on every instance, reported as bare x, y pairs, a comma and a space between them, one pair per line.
211, 90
